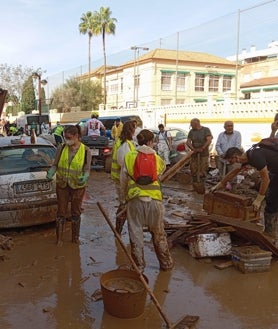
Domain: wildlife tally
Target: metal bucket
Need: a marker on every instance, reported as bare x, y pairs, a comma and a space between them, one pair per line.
123, 293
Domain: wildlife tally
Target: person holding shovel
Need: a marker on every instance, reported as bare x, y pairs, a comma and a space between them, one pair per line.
198, 140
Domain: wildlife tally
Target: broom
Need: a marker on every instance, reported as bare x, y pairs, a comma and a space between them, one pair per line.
187, 321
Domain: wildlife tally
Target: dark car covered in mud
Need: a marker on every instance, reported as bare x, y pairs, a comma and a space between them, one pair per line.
26, 197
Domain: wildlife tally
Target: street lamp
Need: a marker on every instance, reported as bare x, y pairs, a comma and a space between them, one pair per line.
238, 37
136, 73
37, 75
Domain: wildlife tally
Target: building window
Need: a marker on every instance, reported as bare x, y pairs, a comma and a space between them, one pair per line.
122, 85
227, 83
180, 101
165, 102
114, 86
199, 82
213, 82
181, 81
166, 79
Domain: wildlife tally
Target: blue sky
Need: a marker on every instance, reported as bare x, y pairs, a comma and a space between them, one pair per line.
44, 33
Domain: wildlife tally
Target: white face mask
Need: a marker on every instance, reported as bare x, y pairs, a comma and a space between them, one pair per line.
69, 142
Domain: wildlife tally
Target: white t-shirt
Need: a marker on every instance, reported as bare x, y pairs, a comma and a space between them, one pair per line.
93, 126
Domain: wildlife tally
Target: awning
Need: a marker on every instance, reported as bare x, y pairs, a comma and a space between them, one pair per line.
200, 100
270, 88
251, 90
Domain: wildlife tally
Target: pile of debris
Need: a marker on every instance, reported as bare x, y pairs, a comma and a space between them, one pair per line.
219, 224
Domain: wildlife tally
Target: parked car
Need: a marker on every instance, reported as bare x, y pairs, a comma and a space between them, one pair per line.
179, 138
26, 197
108, 122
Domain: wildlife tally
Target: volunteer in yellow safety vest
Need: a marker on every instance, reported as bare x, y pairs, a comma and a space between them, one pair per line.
58, 133
123, 145
144, 206
72, 167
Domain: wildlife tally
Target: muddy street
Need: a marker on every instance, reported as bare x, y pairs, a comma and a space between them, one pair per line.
49, 287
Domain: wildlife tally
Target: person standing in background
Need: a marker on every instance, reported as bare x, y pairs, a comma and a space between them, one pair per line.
94, 126
198, 140
116, 129
72, 165
58, 134
225, 140
164, 144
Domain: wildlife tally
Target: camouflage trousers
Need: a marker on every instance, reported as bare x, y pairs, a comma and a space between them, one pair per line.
203, 167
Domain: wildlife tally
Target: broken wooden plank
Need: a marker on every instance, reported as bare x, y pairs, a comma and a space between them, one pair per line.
176, 167
249, 231
183, 233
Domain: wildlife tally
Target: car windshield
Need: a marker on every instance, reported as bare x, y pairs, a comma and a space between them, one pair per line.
25, 159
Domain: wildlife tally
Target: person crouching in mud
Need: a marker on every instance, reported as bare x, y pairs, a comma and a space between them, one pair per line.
144, 204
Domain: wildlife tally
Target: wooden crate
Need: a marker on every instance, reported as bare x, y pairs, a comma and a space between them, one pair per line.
230, 205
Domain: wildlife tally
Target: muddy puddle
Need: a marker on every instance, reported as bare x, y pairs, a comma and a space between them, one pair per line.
49, 287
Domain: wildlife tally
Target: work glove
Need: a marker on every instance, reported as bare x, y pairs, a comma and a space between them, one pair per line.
216, 187
83, 178
50, 173
257, 202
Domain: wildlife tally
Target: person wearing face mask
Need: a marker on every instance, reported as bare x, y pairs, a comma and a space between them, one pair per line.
72, 165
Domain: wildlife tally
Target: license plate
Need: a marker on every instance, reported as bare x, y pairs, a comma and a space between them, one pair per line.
94, 151
29, 187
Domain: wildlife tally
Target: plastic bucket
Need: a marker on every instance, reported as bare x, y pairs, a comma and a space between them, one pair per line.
123, 293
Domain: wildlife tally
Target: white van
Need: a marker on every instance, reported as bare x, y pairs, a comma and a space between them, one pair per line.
41, 123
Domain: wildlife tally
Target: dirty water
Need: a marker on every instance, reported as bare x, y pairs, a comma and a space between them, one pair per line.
49, 287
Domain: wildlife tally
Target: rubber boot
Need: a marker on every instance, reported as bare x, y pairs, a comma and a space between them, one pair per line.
60, 226
75, 229
271, 226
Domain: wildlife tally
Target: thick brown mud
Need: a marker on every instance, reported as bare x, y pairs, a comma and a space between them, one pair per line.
49, 287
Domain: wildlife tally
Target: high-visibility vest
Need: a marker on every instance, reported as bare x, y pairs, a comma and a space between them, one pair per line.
58, 130
115, 168
135, 190
69, 173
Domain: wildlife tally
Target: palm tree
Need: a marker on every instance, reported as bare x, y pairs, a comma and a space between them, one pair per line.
104, 24
86, 26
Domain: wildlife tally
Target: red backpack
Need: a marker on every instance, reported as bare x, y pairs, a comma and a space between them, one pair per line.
145, 169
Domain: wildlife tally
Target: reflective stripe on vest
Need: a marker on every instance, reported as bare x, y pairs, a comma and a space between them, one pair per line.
69, 173
115, 168
135, 190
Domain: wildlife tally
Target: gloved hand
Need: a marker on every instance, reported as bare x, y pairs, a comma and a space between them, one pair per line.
257, 202
83, 178
50, 173
216, 187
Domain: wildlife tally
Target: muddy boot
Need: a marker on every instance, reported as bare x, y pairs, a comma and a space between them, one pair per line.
271, 226
60, 226
75, 229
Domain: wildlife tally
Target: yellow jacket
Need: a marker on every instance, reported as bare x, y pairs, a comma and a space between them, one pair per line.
116, 131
